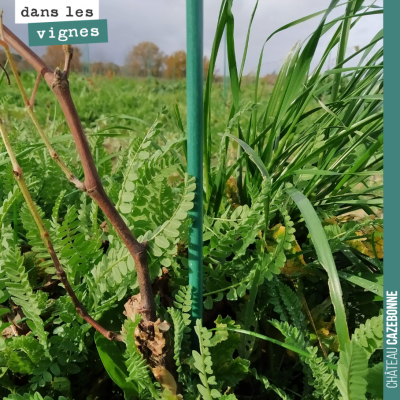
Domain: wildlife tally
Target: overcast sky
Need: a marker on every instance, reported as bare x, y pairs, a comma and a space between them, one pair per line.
163, 22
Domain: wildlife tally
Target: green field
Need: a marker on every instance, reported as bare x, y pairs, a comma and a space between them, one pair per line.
98, 99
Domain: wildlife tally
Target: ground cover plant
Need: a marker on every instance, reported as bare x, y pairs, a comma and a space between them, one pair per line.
94, 294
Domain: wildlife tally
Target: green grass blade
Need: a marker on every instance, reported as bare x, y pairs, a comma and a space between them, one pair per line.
113, 360
207, 97
325, 257
268, 339
333, 173
179, 123
252, 154
369, 285
287, 26
344, 36
328, 144
247, 41
233, 74
360, 162
304, 61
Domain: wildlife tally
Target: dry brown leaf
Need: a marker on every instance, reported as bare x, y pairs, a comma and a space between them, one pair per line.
166, 380
133, 306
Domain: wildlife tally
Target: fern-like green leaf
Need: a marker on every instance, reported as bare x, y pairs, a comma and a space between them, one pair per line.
277, 259
29, 345
375, 381
136, 157
114, 273
22, 294
352, 370
203, 362
33, 235
223, 345
57, 205
370, 334
321, 378
8, 202
22, 354
293, 336
181, 322
165, 236
293, 306
238, 236
75, 251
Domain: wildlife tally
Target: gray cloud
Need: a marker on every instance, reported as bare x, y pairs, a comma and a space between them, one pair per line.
163, 22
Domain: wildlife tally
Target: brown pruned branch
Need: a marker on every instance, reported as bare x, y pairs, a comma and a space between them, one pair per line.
44, 234
59, 84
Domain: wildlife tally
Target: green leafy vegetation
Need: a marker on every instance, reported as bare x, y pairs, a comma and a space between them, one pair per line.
293, 237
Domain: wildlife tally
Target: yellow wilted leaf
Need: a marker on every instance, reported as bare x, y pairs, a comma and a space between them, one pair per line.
378, 240
232, 192
293, 266
328, 338
364, 245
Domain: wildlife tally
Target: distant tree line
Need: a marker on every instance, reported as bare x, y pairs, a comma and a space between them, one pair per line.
145, 59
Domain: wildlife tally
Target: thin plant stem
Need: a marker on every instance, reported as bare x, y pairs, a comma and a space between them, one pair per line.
4, 74
305, 306
34, 91
44, 234
226, 288
15, 222
29, 109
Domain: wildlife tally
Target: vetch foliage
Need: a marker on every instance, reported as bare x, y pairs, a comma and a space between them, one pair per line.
21, 293
181, 322
203, 362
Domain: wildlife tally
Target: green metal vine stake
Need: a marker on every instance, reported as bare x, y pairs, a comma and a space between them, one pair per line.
194, 80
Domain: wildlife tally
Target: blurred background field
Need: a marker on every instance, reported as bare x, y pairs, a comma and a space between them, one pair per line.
102, 91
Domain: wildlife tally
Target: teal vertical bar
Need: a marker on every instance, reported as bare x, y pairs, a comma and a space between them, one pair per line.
194, 81
391, 384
